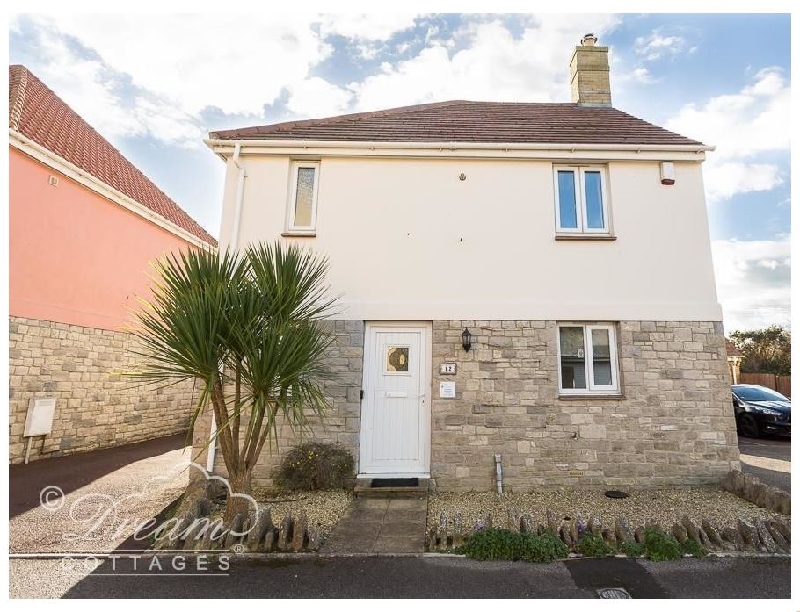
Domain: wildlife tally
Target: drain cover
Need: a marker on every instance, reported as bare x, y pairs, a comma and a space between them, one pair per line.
616, 494
613, 593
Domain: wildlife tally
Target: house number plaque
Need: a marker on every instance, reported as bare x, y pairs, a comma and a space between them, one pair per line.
447, 368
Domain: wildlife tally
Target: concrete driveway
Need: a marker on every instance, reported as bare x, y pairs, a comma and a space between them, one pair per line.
88, 503
769, 459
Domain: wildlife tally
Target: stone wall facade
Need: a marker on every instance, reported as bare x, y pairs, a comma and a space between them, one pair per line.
671, 425
95, 407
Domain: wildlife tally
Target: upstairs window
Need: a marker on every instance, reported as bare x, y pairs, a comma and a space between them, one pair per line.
581, 200
587, 357
302, 216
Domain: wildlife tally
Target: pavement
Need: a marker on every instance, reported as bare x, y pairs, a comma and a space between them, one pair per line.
769, 459
437, 577
380, 526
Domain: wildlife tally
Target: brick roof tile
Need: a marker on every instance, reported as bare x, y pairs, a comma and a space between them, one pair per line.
464, 121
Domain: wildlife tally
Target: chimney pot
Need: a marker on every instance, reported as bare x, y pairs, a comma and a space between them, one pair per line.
589, 40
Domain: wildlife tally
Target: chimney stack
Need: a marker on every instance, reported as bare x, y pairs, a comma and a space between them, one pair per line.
588, 67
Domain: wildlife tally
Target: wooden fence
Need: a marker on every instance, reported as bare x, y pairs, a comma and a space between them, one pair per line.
781, 384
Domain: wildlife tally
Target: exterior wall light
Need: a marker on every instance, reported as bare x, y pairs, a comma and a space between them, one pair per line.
466, 339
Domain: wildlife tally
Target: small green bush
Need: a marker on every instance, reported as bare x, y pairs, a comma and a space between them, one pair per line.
503, 544
632, 549
691, 547
542, 548
661, 546
314, 466
593, 546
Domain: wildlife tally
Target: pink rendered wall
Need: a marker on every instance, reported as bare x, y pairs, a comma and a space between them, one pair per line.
74, 256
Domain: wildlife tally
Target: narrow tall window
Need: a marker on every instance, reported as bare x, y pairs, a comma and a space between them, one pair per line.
581, 201
587, 357
303, 197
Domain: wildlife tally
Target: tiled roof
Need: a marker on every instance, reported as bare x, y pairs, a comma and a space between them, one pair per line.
40, 115
487, 122
730, 347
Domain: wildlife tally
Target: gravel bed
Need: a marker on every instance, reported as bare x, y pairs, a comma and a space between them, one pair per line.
323, 508
663, 506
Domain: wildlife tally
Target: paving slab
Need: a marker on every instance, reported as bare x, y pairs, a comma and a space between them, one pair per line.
380, 526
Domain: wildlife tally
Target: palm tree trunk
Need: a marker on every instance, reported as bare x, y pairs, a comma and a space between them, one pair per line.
240, 483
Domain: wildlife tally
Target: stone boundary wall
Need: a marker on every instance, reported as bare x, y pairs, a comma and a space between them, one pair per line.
95, 407
673, 425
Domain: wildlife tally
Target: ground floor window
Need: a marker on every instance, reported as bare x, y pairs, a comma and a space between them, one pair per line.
587, 357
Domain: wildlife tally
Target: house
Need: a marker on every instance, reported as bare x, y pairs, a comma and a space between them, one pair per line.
84, 226
532, 281
734, 361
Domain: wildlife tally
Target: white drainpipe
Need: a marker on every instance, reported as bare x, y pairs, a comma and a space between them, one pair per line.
237, 211
212, 446
498, 464
232, 245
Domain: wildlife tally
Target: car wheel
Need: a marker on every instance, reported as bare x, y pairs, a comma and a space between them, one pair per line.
749, 426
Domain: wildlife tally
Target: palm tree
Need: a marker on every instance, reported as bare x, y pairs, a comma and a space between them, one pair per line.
248, 328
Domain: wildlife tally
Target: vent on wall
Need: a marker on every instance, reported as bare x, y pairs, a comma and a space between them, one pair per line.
52, 180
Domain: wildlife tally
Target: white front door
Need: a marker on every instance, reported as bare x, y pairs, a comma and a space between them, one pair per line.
395, 413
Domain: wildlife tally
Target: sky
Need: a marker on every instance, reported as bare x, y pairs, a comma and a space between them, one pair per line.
156, 84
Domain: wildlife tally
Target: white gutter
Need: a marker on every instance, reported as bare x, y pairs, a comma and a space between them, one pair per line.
59, 164
453, 146
237, 211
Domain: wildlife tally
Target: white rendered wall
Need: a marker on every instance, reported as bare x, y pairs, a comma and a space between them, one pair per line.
408, 240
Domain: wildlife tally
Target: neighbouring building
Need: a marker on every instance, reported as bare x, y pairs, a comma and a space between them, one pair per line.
734, 361
84, 226
528, 280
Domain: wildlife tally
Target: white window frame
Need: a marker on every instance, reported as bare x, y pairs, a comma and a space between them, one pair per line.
591, 388
291, 227
579, 174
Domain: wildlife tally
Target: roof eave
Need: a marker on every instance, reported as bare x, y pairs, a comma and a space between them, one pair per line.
224, 146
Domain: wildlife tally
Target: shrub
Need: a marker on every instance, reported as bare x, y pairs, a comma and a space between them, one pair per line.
593, 546
691, 547
543, 548
660, 546
314, 466
503, 544
632, 549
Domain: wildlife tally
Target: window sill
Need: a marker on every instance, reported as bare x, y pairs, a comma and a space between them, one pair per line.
585, 237
300, 233
590, 396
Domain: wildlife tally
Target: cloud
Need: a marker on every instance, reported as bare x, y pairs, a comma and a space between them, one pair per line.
97, 93
744, 126
723, 181
374, 26
637, 75
753, 282
491, 63
655, 46
316, 97
191, 62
